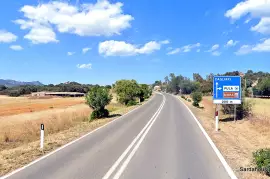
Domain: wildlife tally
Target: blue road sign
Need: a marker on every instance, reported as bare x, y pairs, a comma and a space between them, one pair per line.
227, 90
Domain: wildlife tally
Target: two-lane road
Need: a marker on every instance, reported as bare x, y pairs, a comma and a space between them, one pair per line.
159, 140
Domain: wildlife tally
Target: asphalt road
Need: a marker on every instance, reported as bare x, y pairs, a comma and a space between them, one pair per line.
159, 140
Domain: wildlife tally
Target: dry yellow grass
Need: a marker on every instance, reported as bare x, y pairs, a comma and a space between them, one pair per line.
25, 127
67, 128
237, 141
261, 106
19, 105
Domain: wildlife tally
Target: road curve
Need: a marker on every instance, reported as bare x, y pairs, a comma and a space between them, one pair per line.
160, 140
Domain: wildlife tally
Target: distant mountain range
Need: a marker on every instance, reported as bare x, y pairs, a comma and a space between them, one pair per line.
12, 83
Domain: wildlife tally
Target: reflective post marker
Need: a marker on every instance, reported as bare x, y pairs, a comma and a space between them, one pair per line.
216, 114
41, 136
235, 113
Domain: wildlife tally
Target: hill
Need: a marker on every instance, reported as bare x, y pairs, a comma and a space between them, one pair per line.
13, 83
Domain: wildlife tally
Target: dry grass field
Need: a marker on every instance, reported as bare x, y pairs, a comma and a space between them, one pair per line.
65, 121
19, 105
237, 141
18, 125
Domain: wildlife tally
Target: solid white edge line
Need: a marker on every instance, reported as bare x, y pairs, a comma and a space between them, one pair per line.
126, 162
123, 155
221, 158
68, 144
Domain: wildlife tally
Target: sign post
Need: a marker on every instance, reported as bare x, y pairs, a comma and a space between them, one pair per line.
226, 90
216, 116
41, 136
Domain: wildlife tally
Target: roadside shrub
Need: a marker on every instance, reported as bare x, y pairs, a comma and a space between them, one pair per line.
97, 98
189, 100
197, 98
97, 114
183, 97
131, 103
262, 160
94, 115
242, 110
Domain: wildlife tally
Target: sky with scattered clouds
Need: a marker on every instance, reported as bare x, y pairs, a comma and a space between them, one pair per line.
99, 42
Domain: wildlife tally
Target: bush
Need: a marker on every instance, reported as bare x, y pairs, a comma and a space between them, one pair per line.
189, 100
97, 114
262, 160
197, 98
94, 115
183, 97
97, 98
242, 110
131, 103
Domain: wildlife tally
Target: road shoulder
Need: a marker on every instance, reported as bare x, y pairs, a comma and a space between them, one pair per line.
233, 141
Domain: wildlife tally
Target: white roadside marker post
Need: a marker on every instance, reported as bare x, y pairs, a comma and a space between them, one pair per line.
216, 114
41, 136
235, 113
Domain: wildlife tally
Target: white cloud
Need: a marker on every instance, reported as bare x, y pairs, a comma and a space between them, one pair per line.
263, 26
149, 47
185, 49
216, 53
175, 51
100, 19
7, 37
213, 48
255, 9
85, 66
70, 53
231, 43
165, 42
41, 34
86, 49
16, 47
244, 49
247, 21
260, 47
198, 50
121, 48
188, 48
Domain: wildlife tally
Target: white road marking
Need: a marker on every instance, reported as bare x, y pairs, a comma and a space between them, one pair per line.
146, 128
221, 158
66, 145
126, 162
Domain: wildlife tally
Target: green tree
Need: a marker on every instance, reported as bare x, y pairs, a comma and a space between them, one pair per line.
197, 98
264, 86
127, 91
108, 86
145, 92
197, 77
97, 98
3, 87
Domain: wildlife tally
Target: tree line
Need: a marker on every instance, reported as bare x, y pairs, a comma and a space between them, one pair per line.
253, 83
62, 87
128, 92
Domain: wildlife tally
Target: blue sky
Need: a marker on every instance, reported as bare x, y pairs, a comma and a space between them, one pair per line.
143, 39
